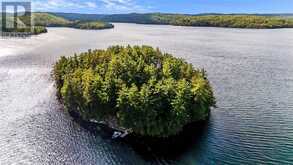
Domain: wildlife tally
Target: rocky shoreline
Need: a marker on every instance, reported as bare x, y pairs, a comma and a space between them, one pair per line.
172, 146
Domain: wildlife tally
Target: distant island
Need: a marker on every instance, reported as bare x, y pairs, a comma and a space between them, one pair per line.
91, 25
137, 89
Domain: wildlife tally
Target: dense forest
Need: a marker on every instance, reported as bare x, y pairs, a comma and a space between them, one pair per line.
91, 25
137, 88
233, 21
98, 21
49, 20
34, 30
207, 20
31, 30
40, 21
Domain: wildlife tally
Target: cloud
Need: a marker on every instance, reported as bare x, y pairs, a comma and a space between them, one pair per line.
87, 6
49, 5
123, 6
91, 4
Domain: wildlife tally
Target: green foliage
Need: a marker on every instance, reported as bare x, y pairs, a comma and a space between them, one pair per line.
216, 20
42, 20
97, 21
152, 93
22, 27
50, 20
233, 21
39, 30
45, 19
30, 30
92, 25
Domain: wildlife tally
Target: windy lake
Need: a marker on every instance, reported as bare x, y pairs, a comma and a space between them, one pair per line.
251, 72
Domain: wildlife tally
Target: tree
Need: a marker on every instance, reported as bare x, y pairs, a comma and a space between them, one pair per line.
152, 93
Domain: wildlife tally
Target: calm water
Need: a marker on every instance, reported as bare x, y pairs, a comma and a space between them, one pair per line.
251, 72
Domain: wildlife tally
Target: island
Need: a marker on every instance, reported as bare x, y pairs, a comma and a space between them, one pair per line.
91, 25
138, 89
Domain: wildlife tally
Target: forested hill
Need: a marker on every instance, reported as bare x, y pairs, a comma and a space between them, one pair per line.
42, 20
259, 21
99, 21
46, 19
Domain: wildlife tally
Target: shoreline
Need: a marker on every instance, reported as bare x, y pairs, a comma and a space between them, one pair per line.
220, 27
163, 147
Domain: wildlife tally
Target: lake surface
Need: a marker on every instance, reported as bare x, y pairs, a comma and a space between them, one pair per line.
251, 72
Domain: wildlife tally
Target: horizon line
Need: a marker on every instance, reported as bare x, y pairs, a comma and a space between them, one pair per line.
208, 13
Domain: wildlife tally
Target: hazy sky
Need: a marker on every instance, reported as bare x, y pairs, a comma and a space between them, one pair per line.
170, 6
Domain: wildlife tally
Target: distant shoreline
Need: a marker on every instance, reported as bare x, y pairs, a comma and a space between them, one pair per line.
243, 21
101, 21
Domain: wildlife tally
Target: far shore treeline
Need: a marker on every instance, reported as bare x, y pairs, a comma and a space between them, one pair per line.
41, 20
257, 21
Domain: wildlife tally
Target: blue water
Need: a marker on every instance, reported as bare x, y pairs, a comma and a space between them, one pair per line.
250, 71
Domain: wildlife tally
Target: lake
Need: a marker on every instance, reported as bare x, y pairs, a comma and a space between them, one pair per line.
251, 72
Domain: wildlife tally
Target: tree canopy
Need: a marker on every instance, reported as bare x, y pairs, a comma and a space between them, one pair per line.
268, 21
152, 93
39, 22
232, 21
93, 25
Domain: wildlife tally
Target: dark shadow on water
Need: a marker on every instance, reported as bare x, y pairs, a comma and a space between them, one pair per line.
169, 148
152, 149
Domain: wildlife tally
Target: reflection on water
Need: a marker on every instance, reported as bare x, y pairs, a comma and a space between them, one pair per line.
250, 70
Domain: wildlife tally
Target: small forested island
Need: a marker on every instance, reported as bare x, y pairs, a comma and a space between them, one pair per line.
92, 25
138, 89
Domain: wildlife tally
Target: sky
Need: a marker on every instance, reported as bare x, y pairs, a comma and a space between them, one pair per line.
164, 6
